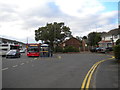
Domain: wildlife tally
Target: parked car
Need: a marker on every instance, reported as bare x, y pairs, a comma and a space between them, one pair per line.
13, 53
93, 50
23, 50
101, 50
109, 48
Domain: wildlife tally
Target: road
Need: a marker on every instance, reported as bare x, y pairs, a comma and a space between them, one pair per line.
59, 71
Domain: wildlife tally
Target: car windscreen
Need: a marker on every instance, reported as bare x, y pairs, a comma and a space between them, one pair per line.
33, 49
11, 52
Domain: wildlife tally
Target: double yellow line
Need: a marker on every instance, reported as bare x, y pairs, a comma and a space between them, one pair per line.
87, 79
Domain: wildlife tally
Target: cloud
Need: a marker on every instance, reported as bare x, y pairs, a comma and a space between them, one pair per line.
82, 26
38, 16
79, 8
108, 17
7, 12
19, 18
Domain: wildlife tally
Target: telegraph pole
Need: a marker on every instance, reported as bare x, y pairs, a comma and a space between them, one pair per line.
119, 19
27, 39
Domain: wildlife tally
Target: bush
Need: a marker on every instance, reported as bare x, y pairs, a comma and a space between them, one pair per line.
58, 49
70, 49
117, 51
118, 42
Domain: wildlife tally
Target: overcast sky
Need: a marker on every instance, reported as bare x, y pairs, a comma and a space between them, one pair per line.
20, 18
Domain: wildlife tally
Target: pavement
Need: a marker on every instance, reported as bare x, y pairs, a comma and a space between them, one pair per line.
106, 75
59, 71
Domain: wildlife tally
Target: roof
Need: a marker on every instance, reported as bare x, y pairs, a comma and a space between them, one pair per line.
105, 41
112, 32
70, 39
11, 40
45, 45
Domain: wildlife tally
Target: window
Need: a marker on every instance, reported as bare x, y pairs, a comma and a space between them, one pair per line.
33, 50
115, 36
5, 45
4, 49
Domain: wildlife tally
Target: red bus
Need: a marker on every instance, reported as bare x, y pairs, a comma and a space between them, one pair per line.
33, 49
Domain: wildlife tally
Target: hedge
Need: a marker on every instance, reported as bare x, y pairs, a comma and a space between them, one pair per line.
70, 49
117, 51
58, 49
118, 42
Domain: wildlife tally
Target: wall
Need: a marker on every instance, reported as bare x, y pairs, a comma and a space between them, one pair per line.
108, 37
73, 42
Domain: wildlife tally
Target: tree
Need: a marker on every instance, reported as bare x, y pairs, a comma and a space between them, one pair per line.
94, 38
118, 42
84, 37
53, 33
79, 38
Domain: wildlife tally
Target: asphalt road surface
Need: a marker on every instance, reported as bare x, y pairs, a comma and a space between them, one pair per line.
59, 71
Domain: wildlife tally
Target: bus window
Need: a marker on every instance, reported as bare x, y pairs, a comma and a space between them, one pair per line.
44, 49
5, 45
33, 50
4, 49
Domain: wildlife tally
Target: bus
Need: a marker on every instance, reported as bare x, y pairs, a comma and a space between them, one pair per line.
45, 50
4, 48
33, 50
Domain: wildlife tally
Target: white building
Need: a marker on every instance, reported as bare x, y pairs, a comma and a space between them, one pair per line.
12, 42
109, 39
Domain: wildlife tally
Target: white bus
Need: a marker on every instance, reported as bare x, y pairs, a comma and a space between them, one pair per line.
4, 48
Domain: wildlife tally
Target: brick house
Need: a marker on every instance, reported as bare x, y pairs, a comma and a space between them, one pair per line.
71, 42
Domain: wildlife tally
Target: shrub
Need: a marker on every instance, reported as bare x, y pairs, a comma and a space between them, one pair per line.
118, 42
58, 49
117, 51
70, 49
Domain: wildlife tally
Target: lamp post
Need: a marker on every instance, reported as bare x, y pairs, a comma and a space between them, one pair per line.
119, 32
112, 40
27, 40
54, 42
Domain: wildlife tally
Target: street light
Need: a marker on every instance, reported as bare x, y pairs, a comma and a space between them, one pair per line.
119, 31
112, 40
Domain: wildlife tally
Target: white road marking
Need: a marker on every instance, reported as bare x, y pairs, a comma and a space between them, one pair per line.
15, 66
4, 69
113, 56
35, 58
59, 57
22, 63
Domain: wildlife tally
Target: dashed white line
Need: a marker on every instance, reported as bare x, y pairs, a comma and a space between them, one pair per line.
15, 66
35, 58
22, 63
4, 69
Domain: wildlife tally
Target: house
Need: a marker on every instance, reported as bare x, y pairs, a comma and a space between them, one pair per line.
71, 42
109, 39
